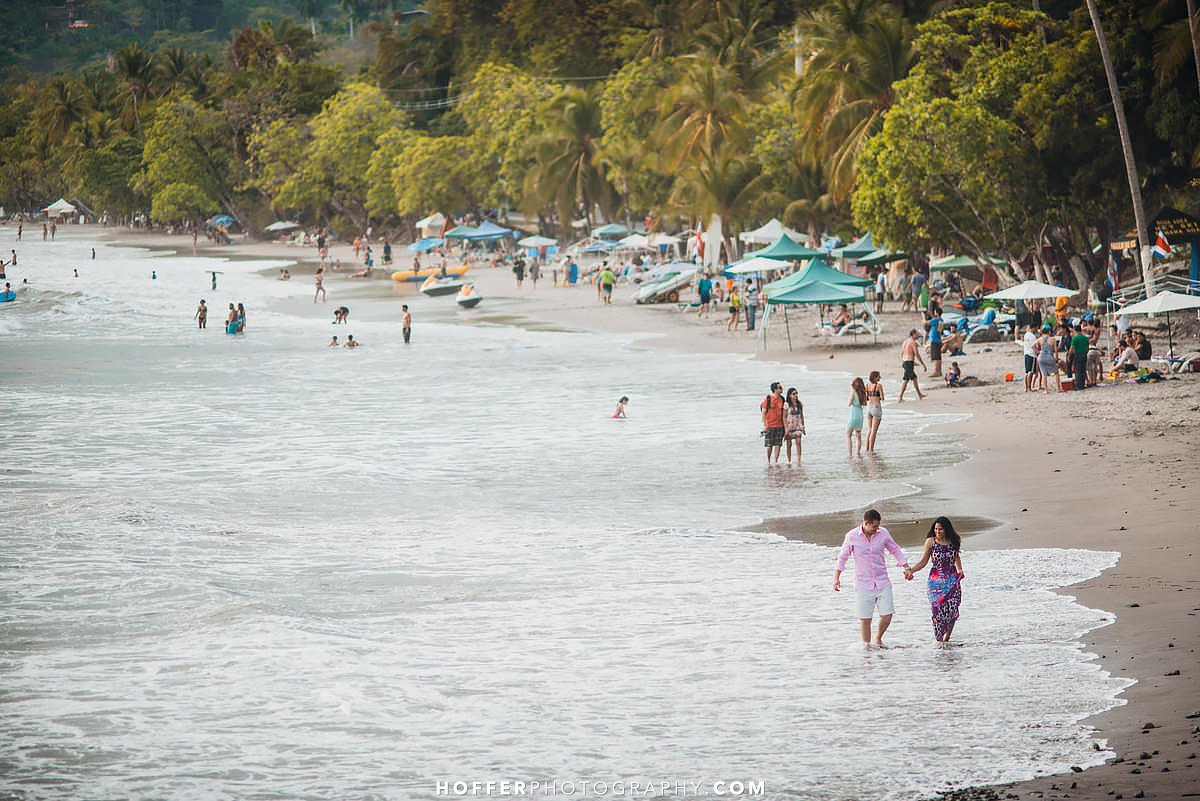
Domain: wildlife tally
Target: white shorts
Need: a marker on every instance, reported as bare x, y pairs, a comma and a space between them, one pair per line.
871, 600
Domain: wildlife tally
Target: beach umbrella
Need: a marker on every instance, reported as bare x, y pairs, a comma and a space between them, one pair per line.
610, 231
1164, 303
281, 225
755, 265
1031, 290
785, 249
633, 242
960, 263
537, 242
426, 244
221, 219
599, 247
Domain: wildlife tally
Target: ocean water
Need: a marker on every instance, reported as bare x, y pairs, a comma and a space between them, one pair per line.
257, 567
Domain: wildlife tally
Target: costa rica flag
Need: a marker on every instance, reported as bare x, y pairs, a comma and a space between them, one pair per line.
1162, 248
1114, 276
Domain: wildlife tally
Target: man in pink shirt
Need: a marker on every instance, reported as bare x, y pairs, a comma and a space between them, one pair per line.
867, 543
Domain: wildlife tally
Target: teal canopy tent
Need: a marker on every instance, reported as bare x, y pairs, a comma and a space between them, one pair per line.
854, 250
880, 257
459, 232
813, 291
785, 249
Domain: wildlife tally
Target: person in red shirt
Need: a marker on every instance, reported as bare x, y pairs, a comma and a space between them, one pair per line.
772, 421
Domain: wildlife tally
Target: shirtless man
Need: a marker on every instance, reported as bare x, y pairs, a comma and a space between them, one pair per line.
319, 280
351, 342
910, 354
201, 315
406, 324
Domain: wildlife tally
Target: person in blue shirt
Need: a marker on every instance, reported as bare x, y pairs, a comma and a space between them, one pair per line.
935, 346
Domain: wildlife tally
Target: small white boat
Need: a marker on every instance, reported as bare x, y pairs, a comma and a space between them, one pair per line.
435, 285
467, 297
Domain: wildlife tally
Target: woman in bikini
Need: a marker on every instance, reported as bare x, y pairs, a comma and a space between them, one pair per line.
874, 408
793, 423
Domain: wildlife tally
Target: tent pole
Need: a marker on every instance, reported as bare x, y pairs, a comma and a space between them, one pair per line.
788, 327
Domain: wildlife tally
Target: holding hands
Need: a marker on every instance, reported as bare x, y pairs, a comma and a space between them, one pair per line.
908, 573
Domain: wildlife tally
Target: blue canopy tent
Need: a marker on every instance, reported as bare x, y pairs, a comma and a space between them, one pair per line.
426, 244
487, 231
600, 247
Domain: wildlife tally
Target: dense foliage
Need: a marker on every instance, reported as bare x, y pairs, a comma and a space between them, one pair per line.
979, 127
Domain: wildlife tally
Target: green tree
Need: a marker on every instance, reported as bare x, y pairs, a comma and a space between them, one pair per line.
501, 107
135, 74
187, 156
862, 48
930, 176
568, 171
434, 172
331, 174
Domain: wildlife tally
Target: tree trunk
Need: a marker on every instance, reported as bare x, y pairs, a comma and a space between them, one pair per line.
1191, 12
1135, 189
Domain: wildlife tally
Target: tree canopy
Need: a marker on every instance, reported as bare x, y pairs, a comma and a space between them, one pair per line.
974, 126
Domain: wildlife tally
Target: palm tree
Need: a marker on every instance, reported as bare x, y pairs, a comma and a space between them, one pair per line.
861, 52
1131, 171
64, 109
701, 113
568, 170
736, 43
724, 183
134, 70
1174, 41
311, 9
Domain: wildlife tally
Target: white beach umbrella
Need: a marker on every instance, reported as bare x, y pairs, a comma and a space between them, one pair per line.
1164, 303
1031, 290
281, 225
536, 242
755, 265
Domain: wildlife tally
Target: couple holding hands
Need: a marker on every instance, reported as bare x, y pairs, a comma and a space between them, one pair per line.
868, 543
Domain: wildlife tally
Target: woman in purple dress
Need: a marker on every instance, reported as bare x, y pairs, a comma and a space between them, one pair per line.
942, 548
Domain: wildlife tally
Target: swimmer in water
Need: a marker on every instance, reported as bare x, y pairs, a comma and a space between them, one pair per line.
351, 342
333, 343
154, 275
620, 412
76, 269
201, 315
93, 253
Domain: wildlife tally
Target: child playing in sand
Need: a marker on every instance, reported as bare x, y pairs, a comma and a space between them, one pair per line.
955, 377
620, 412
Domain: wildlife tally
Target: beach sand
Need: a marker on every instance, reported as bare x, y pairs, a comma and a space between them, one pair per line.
1110, 469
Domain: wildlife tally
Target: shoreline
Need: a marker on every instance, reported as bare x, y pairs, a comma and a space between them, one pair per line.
1105, 469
